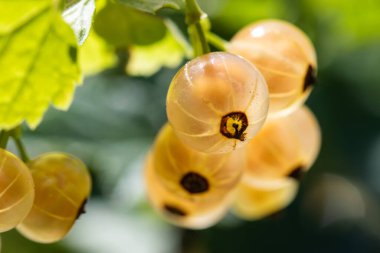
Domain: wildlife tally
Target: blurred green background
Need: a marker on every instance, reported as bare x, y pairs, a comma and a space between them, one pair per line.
115, 117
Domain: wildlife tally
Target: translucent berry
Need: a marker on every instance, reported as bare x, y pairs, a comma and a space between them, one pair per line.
16, 190
217, 102
285, 147
62, 186
286, 58
188, 213
192, 174
258, 199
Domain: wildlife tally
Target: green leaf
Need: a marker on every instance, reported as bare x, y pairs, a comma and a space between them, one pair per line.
121, 26
38, 59
79, 16
96, 55
147, 60
152, 6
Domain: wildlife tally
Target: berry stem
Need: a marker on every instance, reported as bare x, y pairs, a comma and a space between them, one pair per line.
4, 136
16, 136
21, 149
216, 41
194, 15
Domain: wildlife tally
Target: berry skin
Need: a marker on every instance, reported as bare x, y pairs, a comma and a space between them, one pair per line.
285, 147
286, 58
191, 174
187, 213
217, 102
62, 186
258, 199
275, 160
16, 190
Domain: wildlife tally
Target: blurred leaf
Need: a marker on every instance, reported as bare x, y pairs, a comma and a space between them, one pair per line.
79, 17
354, 21
39, 51
233, 15
121, 26
147, 60
152, 6
96, 55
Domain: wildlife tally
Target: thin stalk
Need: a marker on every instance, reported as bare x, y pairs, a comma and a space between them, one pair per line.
16, 134
217, 41
21, 149
194, 15
4, 136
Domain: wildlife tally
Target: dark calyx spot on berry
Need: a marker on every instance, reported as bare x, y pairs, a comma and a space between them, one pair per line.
81, 209
194, 183
310, 78
174, 210
297, 173
233, 125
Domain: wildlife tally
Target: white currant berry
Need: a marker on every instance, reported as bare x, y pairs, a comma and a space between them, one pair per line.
286, 58
192, 174
62, 186
217, 102
285, 147
258, 199
180, 211
16, 190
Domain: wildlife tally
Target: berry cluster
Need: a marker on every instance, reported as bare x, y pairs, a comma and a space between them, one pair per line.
238, 134
43, 198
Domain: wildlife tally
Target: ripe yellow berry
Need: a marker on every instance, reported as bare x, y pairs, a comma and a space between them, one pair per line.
62, 186
16, 190
188, 213
191, 174
217, 102
285, 146
286, 58
257, 199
